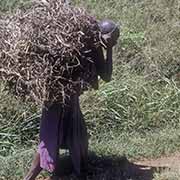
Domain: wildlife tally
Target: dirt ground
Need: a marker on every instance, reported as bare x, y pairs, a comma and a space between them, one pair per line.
172, 162
119, 168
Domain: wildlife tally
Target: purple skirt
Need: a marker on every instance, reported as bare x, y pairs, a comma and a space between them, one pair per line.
63, 127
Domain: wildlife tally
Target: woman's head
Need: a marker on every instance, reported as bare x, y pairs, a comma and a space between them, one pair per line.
110, 31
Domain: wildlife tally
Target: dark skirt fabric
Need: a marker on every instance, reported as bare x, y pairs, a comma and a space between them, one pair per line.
63, 127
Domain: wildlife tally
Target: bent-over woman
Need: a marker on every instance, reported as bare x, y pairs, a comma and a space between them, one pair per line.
64, 127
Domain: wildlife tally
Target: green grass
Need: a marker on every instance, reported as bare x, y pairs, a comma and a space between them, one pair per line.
149, 31
132, 145
136, 146
15, 166
10, 5
18, 123
137, 114
132, 103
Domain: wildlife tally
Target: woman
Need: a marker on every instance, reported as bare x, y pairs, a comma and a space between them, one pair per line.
64, 127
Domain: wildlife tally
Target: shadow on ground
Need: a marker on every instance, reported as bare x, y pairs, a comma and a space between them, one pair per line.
114, 168
117, 168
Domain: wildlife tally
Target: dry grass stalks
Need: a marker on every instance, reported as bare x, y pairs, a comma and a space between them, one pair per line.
45, 51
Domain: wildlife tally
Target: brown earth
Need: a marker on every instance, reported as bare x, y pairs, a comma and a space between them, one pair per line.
171, 162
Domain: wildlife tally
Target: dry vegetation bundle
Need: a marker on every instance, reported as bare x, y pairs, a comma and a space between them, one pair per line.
45, 51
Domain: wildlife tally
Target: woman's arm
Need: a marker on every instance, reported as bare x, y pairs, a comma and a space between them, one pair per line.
109, 64
104, 66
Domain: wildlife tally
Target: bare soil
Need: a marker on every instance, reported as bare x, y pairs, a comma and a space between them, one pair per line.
171, 162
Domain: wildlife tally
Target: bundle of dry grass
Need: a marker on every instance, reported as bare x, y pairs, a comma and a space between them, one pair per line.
41, 50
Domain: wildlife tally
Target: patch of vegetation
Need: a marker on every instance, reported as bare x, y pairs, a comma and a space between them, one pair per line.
137, 146
18, 123
149, 31
137, 113
132, 103
15, 166
10, 5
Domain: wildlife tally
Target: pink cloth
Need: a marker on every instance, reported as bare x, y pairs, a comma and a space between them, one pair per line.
46, 162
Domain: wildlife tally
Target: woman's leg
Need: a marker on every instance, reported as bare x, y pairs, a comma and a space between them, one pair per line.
49, 137
35, 168
46, 157
79, 140
84, 147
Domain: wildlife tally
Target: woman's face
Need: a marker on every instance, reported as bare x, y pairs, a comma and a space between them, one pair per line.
111, 38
